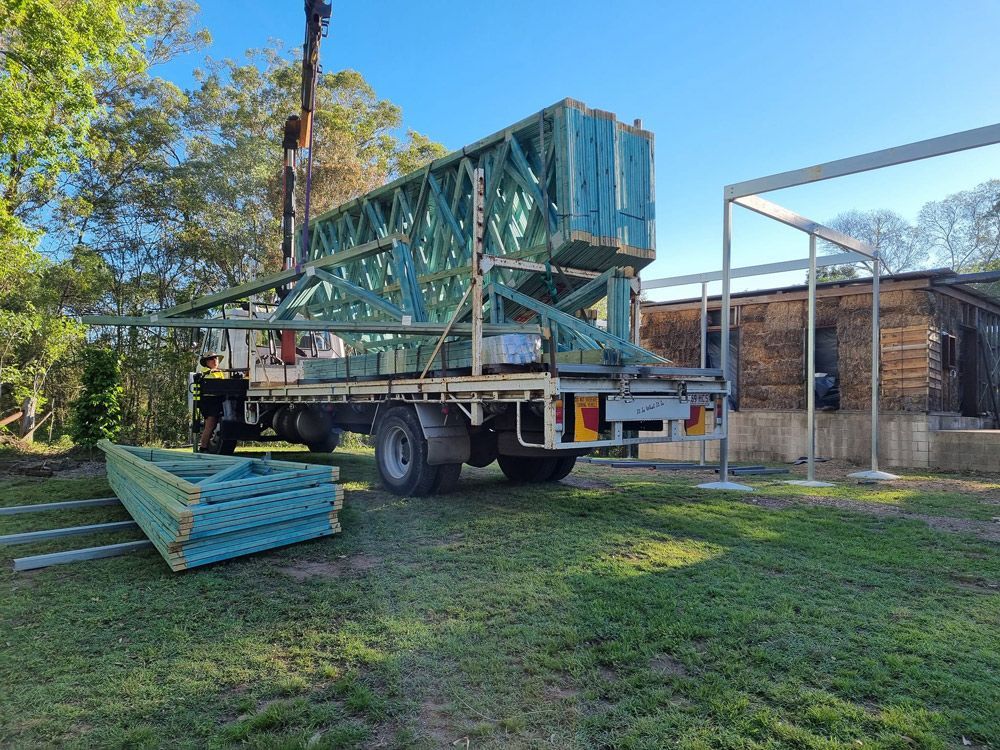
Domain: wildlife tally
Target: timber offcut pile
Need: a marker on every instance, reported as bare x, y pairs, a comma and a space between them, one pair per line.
199, 508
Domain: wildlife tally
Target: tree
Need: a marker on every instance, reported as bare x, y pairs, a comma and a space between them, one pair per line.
835, 273
899, 244
97, 412
963, 230
51, 55
230, 184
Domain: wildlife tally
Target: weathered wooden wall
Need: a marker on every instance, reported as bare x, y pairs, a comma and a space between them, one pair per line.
772, 348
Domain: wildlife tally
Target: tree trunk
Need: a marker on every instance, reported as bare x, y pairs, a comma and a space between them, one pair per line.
28, 418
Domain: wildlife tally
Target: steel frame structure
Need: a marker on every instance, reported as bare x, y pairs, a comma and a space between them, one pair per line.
811, 263
746, 194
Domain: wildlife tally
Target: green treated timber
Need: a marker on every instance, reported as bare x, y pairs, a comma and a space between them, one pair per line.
274, 504
266, 511
64, 505
370, 326
575, 324
238, 541
170, 539
224, 527
183, 563
40, 536
290, 302
587, 294
236, 471
77, 555
281, 278
362, 294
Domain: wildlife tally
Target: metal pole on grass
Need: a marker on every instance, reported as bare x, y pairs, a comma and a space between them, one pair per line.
874, 472
810, 480
727, 230
703, 362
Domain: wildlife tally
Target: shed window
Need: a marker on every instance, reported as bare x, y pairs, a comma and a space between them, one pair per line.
827, 369
949, 353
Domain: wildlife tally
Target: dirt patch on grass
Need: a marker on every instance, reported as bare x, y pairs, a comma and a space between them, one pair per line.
607, 673
987, 530
437, 725
359, 564
54, 466
587, 483
561, 693
667, 666
975, 584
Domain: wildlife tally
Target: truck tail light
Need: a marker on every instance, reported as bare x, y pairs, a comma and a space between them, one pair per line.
559, 413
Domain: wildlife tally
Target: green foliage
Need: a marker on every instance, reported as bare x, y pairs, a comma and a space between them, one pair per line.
52, 57
97, 413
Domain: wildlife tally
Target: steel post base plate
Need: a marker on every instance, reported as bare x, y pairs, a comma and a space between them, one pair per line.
730, 486
809, 483
879, 475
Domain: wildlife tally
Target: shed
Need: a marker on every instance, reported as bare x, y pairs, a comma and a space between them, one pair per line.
940, 350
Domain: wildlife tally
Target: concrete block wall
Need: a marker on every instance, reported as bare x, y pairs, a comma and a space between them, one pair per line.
912, 441
966, 450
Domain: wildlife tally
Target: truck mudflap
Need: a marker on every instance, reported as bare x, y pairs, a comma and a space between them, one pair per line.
446, 434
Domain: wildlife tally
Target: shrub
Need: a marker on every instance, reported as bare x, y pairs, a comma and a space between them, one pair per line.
97, 413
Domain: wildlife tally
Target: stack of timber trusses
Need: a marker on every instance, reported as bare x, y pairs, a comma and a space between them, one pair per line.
200, 508
567, 219
570, 187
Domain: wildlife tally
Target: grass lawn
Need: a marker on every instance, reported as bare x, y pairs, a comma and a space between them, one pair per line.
619, 609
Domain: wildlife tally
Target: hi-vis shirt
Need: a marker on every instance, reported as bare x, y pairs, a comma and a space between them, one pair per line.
213, 374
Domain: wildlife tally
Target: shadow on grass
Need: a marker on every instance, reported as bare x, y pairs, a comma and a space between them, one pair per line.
642, 615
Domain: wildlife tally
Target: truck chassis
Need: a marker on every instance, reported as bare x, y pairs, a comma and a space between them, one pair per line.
529, 422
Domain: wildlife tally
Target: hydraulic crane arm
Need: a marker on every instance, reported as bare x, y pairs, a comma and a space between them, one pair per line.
298, 134
317, 20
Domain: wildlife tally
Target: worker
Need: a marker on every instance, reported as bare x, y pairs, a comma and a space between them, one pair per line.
211, 406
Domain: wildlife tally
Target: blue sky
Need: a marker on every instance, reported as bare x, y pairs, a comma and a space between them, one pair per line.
731, 90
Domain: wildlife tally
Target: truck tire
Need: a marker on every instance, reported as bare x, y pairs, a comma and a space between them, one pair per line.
563, 467
447, 479
531, 469
482, 448
219, 446
327, 446
401, 454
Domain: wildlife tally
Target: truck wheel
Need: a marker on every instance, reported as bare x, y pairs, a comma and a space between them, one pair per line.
219, 446
401, 454
447, 479
482, 448
327, 446
563, 467
531, 469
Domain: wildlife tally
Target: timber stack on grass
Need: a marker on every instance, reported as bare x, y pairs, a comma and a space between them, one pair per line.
198, 508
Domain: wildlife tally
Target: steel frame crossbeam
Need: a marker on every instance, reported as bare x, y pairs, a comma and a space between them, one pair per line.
762, 269
946, 144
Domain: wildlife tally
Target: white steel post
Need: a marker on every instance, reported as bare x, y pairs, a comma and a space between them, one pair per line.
810, 480
874, 472
703, 362
727, 234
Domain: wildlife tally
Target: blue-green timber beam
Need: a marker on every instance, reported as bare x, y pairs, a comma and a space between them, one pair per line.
333, 326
